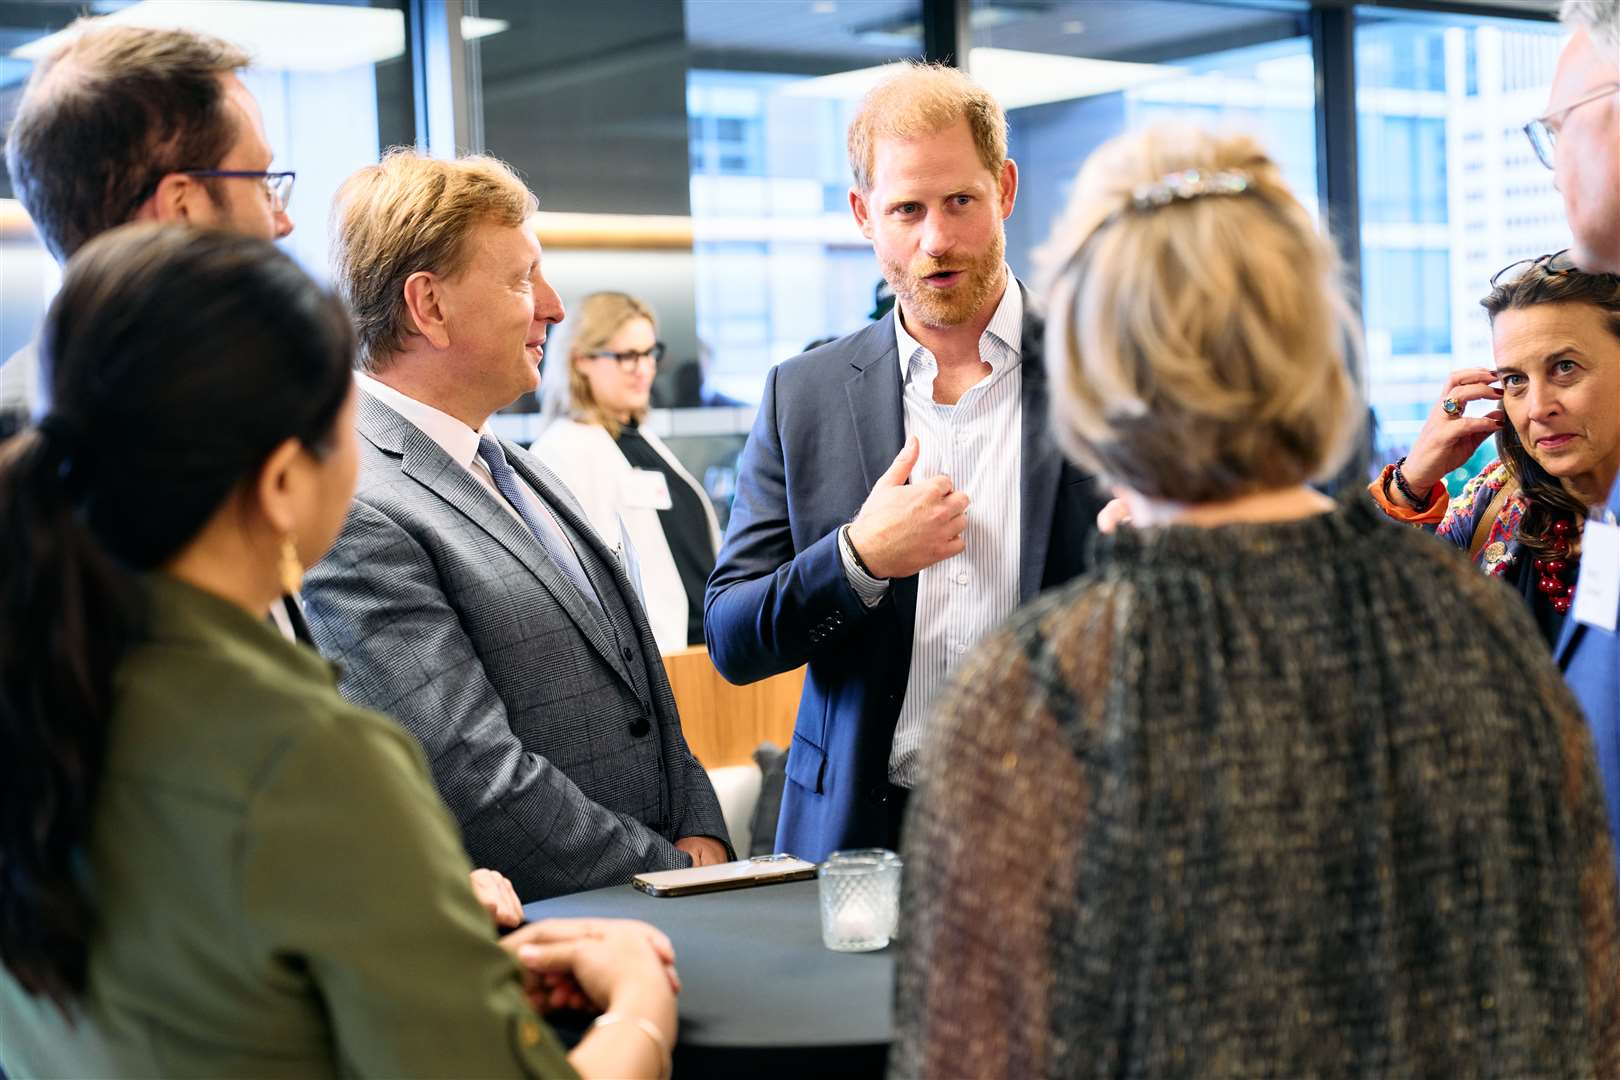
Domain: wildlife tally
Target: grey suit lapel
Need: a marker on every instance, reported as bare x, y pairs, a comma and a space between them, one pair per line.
425, 461
557, 496
1042, 462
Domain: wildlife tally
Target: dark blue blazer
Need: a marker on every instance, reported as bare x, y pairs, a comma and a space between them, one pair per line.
831, 421
1590, 660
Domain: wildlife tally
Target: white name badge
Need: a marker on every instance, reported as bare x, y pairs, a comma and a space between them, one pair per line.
646, 489
1597, 589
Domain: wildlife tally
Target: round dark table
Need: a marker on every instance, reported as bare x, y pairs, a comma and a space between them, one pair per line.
761, 995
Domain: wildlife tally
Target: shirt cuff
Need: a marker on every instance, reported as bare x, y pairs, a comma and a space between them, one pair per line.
1432, 514
867, 587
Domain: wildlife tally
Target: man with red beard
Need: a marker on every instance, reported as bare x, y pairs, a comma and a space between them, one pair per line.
899, 495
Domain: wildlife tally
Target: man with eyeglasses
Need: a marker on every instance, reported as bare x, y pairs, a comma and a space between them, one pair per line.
1579, 136
1579, 139
126, 123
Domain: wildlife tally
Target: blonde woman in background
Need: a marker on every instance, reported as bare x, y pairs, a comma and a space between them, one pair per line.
629, 483
1279, 788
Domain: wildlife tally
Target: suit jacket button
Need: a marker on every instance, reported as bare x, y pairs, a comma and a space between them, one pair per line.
628, 655
639, 727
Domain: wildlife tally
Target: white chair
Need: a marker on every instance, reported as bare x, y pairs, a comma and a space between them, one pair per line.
738, 789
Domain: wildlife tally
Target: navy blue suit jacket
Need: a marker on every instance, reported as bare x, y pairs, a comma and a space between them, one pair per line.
831, 421
1590, 660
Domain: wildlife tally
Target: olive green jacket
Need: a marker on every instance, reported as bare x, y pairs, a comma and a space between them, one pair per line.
279, 889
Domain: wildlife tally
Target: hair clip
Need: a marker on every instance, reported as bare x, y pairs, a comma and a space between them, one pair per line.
1188, 184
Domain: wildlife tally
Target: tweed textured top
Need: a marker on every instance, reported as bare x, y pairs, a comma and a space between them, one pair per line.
1304, 799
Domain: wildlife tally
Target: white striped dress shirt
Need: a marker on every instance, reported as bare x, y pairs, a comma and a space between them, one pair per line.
978, 444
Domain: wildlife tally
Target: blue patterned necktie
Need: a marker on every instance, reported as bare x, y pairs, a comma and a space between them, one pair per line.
550, 534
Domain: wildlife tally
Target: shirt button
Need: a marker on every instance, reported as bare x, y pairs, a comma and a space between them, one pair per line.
961, 579
959, 647
628, 655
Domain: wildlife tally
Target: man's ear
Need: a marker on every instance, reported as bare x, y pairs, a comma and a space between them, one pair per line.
1009, 187
276, 490
424, 300
863, 213
179, 200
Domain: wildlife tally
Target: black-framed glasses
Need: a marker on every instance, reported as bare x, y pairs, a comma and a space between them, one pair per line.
633, 357
1543, 135
277, 186
1558, 262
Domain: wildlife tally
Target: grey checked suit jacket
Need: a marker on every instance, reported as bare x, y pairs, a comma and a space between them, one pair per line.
552, 736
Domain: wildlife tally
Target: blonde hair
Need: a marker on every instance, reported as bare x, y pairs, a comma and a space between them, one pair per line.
923, 99
1197, 349
411, 213
599, 316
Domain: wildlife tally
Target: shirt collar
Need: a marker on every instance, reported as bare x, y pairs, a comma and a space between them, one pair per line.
1006, 328
454, 437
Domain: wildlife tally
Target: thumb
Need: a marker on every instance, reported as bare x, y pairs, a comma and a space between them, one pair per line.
897, 473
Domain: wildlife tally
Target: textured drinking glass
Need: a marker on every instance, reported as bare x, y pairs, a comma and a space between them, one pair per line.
892, 865
860, 899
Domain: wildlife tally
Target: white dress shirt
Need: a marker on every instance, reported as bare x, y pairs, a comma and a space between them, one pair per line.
978, 443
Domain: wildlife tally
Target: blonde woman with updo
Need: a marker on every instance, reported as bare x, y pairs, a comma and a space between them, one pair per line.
632, 487
1279, 788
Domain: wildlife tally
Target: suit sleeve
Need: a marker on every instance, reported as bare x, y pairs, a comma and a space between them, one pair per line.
376, 606
351, 879
769, 607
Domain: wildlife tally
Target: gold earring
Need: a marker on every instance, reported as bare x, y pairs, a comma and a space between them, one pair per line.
292, 571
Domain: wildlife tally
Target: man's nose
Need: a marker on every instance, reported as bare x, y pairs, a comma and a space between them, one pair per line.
548, 306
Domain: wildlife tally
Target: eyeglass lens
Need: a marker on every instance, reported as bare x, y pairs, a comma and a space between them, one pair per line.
630, 359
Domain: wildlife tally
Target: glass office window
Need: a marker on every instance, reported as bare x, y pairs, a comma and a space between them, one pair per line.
313, 61
1075, 74
1450, 193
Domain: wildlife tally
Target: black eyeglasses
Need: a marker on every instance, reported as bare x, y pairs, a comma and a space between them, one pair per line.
1558, 262
1543, 135
631, 359
277, 185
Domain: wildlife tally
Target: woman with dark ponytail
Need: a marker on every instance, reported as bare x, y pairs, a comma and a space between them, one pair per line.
209, 862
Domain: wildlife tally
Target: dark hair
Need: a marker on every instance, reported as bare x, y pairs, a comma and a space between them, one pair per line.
177, 361
1547, 500
107, 116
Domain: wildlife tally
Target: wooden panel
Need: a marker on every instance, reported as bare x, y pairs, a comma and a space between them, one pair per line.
724, 723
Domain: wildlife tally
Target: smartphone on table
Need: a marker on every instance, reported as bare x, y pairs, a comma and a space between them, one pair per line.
742, 874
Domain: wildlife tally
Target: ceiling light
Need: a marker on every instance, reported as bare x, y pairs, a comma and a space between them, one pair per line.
280, 35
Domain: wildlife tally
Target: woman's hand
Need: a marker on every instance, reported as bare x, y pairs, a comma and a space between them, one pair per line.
495, 892
583, 963
1448, 440
617, 966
